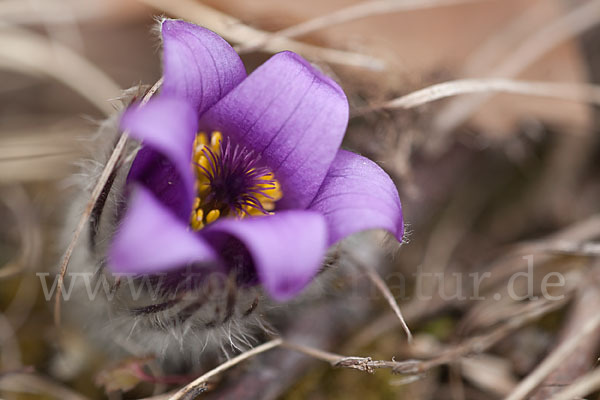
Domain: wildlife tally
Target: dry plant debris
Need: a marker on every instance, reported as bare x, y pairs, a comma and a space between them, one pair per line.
484, 184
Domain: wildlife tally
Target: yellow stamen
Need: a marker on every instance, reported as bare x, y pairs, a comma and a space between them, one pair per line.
274, 190
215, 140
202, 161
196, 221
268, 205
206, 155
200, 141
202, 189
212, 216
255, 212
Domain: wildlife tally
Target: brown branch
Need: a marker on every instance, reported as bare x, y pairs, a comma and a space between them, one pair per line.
581, 387
385, 291
551, 362
582, 359
475, 345
585, 93
199, 384
501, 269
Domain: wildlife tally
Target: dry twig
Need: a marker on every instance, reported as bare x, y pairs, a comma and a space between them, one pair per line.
24, 51
582, 358
51, 11
585, 93
553, 360
541, 42
385, 291
581, 387
199, 384
471, 346
347, 14
106, 173
36, 384
235, 31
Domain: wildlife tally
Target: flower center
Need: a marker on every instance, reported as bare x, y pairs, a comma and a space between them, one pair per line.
230, 182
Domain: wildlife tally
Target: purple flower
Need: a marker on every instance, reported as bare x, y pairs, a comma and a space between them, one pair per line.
244, 171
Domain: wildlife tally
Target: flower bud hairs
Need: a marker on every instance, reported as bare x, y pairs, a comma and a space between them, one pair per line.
224, 205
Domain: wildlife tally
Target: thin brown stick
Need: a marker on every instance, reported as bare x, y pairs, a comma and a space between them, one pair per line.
25, 51
19, 203
564, 247
51, 11
475, 345
10, 269
38, 154
531, 49
358, 11
501, 269
108, 170
10, 354
236, 31
322, 355
553, 360
481, 343
20, 382
198, 385
366, 364
585, 93
387, 294
586, 384
582, 359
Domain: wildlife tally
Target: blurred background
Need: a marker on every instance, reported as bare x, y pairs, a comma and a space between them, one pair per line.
484, 179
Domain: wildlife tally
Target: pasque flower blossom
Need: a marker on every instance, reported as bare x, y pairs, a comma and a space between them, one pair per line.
244, 172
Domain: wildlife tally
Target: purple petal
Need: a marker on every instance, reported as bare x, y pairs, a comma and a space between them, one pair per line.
287, 248
358, 195
166, 127
198, 64
151, 239
290, 114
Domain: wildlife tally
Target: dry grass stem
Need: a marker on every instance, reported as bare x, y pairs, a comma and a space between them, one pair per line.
50, 11
531, 49
358, 11
106, 172
38, 154
36, 384
553, 360
387, 294
26, 52
237, 32
585, 93
198, 385
479, 344
19, 203
584, 385
322, 355
10, 351
475, 345
587, 249
487, 55
502, 268
10, 269
582, 359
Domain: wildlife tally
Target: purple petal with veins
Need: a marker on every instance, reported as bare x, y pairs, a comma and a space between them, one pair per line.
283, 124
